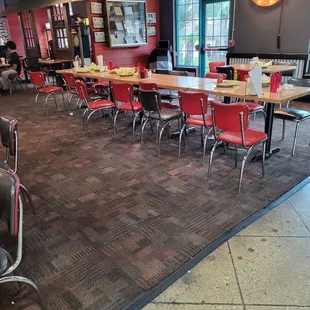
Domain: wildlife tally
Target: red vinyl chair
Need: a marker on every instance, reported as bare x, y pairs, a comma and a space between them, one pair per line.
154, 86
12, 209
214, 64
38, 81
194, 107
123, 97
92, 106
213, 75
232, 120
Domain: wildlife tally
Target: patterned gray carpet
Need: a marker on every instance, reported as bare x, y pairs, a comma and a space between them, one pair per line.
113, 220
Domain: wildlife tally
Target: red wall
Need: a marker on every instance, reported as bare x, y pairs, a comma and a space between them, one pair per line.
128, 56
16, 33
40, 17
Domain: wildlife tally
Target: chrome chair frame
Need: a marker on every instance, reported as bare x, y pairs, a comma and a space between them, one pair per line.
135, 114
6, 276
204, 140
147, 117
247, 149
47, 97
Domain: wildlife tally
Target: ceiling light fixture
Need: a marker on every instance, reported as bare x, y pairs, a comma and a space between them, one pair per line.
265, 2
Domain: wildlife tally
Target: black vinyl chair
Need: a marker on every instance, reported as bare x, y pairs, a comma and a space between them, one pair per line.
284, 63
228, 70
9, 139
169, 94
152, 111
293, 114
11, 209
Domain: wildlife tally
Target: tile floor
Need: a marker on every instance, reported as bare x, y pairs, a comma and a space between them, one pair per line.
265, 267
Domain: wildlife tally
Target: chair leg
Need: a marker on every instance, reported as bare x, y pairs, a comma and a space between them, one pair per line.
142, 130
36, 101
136, 115
111, 116
202, 132
87, 120
26, 281
242, 167
64, 102
157, 131
205, 141
25, 192
83, 118
211, 158
46, 106
283, 129
295, 138
236, 155
264, 156
55, 101
114, 123
160, 135
180, 138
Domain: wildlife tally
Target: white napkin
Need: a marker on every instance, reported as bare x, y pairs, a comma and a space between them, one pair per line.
256, 81
100, 63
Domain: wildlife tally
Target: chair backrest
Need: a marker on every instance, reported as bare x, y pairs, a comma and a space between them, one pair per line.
243, 74
81, 90
299, 82
229, 71
32, 64
150, 100
70, 80
214, 64
8, 132
227, 117
148, 86
213, 75
122, 92
193, 103
9, 197
37, 78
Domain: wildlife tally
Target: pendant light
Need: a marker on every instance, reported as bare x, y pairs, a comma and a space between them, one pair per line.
265, 2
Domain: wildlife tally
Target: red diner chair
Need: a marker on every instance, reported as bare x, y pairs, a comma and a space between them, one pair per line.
194, 108
214, 75
9, 139
154, 86
92, 106
38, 81
123, 96
214, 64
232, 120
11, 208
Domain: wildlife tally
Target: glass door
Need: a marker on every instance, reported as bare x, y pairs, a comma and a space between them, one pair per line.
215, 32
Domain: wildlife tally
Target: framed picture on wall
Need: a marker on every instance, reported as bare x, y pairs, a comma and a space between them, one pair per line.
98, 22
99, 36
151, 31
151, 18
96, 7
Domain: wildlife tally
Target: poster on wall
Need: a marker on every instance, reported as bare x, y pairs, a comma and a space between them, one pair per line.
151, 31
96, 7
99, 36
98, 22
151, 18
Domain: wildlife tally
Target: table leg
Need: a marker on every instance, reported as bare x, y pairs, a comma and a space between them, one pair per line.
268, 131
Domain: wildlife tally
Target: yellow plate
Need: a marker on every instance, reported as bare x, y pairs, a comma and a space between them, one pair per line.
227, 84
82, 70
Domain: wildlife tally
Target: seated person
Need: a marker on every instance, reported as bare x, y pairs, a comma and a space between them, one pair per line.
13, 70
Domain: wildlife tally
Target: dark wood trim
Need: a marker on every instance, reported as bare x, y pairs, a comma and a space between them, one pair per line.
30, 51
272, 55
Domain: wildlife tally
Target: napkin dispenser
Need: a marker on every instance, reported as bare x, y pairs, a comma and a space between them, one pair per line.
254, 83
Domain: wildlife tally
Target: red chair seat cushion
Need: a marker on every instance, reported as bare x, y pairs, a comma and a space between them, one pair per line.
253, 107
100, 104
251, 137
137, 106
50, 89
197, 120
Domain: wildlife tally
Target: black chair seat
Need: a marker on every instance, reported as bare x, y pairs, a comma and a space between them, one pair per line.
292, 114
166, 114
167, 94
4, 264
4, 166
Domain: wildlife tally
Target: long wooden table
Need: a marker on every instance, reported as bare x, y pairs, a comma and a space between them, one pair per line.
269, 70
209, 85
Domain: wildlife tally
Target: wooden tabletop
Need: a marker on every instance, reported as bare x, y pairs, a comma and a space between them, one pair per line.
269, 70
200, 84
53, 61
